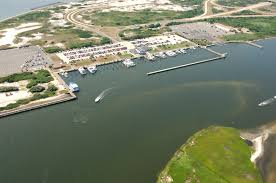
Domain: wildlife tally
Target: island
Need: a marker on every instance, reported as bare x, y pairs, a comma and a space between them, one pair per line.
215, 154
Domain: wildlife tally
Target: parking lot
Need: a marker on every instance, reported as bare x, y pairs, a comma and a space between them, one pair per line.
202, 30
22, 59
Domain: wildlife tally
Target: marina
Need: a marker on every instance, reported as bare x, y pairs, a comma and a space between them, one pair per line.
83, 133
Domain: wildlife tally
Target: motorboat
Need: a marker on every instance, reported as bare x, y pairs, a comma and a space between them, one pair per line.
129, 63
82, 70
171, 53
149, 56
267, 102
162, 55
92, 69
74, 87
182, 50
97, 99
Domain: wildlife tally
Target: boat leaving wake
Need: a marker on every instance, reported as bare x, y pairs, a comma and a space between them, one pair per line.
102, 95
267, 102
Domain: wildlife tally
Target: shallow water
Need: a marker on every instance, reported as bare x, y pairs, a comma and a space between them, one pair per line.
133, 132
14, 7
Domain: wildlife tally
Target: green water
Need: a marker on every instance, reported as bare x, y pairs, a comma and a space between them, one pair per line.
133, 132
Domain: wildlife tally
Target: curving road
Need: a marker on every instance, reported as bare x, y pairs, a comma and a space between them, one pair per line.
72, 17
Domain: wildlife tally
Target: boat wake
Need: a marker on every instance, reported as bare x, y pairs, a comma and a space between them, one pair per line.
102, 95
267, 102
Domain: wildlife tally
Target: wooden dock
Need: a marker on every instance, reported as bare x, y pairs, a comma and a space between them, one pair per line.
222, 56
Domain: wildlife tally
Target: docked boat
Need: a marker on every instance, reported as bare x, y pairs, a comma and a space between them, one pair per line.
129, 63
162, 55
150, 56
182, 50
178, 51
92, 69
74, 87
82, 70
171, 53
63, 73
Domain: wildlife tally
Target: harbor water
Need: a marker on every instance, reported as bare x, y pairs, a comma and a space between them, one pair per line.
137, 126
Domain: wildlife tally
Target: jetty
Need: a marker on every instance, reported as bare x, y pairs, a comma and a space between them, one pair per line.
254, 44
222, 56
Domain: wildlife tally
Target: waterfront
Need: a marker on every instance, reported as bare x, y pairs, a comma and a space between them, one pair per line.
141, 122
14, 7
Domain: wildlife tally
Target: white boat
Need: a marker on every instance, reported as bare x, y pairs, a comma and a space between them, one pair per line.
92, 69
82, 70
63, 73
129, 63
171, 53
97, 99
267, 102
178, 51
149, 56
74, 87
162, 55
183, 51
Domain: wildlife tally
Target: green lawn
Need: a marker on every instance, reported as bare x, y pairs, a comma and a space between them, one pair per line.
117, 18
213, 155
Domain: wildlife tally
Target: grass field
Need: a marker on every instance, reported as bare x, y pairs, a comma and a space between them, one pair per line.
171, 47
238, 2
37, 16
246, 12
141, 32
117, 18
260, 27
188, 2
215, 154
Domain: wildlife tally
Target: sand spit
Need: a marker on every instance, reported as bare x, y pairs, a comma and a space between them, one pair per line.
9, 35
264, 148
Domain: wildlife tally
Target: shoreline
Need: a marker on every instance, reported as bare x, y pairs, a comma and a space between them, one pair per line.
263, 141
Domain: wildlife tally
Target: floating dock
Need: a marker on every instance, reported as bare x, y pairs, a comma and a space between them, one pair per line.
222, 56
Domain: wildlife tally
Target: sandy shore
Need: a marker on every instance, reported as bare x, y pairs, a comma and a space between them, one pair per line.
264, 148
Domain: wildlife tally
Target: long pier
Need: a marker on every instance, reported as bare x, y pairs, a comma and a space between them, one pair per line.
222, 56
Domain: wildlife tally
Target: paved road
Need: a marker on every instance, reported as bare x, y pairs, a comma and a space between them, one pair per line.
71, 17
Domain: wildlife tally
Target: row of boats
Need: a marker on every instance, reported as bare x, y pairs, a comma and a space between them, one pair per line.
170, 53
92, 69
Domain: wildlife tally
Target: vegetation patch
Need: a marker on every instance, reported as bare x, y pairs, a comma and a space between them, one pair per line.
118, 18
215, 154
170, 47
37, 16
4, 89
238, 2
53, 49
37, 96
37, 89
260, 27
141, 32
246, 12
188, 2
